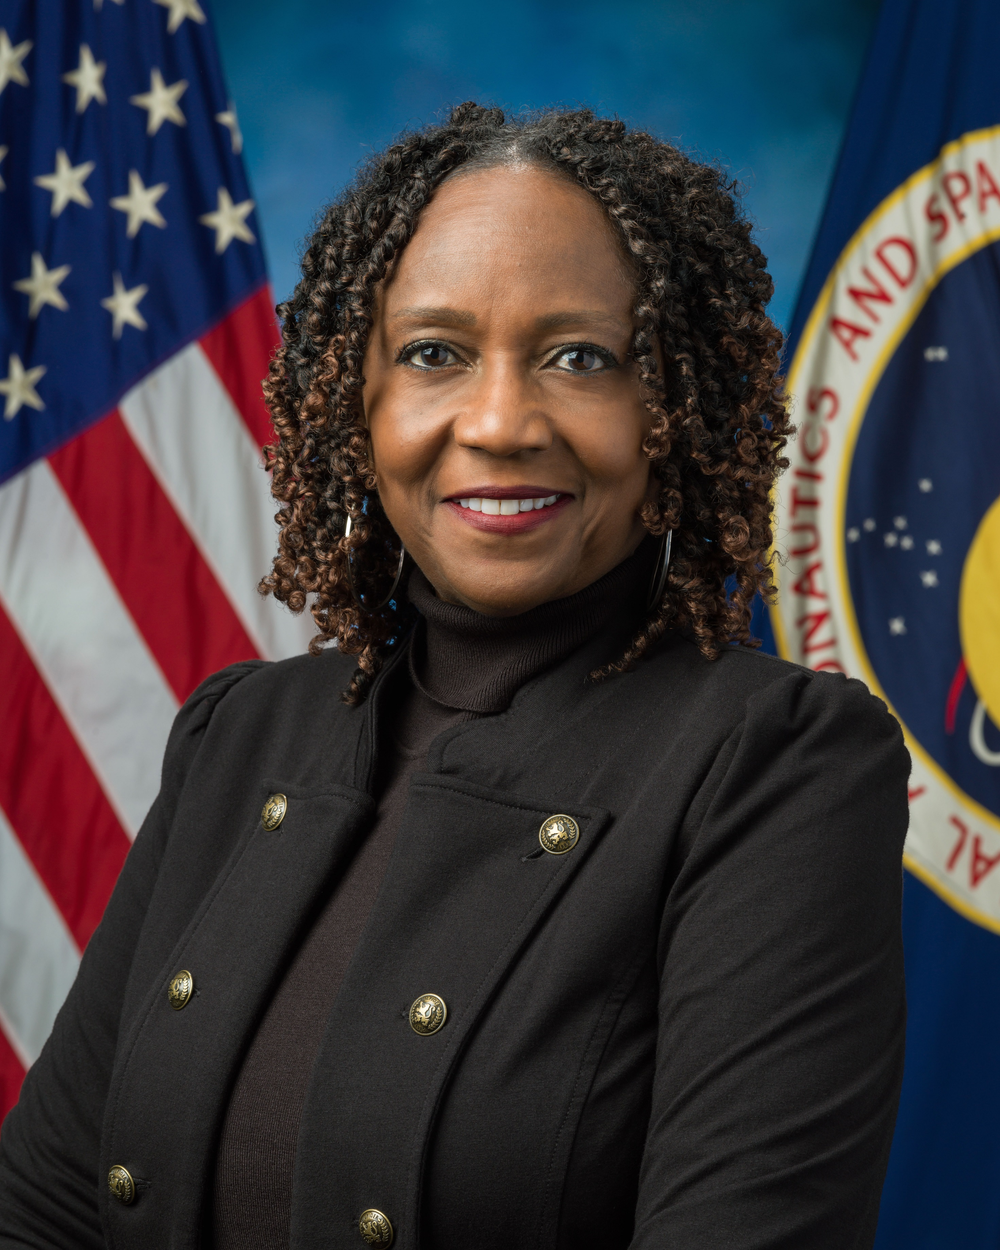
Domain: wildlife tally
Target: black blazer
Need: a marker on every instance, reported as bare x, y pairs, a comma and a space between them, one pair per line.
684, 1033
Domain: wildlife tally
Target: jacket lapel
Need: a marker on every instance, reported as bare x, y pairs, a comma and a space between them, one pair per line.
173, 1071
467, 884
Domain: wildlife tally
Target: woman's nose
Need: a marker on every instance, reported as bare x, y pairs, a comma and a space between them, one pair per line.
503, 413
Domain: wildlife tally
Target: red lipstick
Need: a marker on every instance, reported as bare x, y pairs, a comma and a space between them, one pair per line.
491, 508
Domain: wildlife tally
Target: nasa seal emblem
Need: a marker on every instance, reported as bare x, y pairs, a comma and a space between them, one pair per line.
888, 515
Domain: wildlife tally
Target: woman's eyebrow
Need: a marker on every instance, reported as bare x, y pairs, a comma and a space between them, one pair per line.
436, 316
560, 320
445, 316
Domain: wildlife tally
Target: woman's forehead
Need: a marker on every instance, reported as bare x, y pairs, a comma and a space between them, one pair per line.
497, 233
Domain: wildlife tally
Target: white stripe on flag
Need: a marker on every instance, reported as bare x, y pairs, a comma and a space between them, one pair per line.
198, 446
38, 958
84, 642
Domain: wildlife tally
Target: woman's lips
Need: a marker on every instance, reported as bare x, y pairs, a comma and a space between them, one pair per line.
507, 511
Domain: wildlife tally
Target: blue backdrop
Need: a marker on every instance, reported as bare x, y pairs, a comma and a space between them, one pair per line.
763, 88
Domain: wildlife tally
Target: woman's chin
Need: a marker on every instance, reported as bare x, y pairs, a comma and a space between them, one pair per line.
501, 592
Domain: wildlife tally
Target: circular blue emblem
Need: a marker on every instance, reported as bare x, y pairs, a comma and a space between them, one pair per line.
924, 475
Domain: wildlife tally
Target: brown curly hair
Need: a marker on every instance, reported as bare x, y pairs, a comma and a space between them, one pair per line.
718, 419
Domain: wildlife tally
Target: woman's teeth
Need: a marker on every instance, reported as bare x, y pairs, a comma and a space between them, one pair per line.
507, 507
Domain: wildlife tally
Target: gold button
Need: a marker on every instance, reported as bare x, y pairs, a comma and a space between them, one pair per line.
180, 989
559, 834
427, 1014
375, 1227
274, 811
121, 1184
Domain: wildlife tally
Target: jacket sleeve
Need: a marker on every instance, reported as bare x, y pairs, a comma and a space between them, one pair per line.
782, 1007
50, 1141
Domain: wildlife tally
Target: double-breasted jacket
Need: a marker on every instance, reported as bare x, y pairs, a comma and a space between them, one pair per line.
685, 1032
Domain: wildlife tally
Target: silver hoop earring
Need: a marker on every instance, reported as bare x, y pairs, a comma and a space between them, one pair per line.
659, 583
350, 574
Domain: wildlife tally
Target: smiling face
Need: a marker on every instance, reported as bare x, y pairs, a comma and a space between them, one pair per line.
504, 410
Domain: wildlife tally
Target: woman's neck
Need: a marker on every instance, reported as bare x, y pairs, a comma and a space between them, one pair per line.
462, 659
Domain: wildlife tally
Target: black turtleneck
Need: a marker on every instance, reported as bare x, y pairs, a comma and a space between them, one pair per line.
462, 665
464, 660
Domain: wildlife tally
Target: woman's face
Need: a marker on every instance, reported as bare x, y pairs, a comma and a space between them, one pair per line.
504, 410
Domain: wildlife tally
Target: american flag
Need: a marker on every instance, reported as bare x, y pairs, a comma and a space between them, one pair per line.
135, 521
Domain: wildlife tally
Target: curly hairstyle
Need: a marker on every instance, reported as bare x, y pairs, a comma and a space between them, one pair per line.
718, 418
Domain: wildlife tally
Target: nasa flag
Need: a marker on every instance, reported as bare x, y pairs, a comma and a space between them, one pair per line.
889, 521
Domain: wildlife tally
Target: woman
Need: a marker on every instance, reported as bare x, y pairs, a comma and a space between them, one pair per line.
536, 912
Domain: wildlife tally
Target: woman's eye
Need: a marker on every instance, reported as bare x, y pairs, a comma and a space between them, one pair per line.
430, 356
580, 360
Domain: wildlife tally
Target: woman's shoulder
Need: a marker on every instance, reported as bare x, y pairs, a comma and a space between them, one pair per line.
273, 699
298, 678
775, 736
744, 686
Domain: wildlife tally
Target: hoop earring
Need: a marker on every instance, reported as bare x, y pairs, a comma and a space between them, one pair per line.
659, 582
350, 575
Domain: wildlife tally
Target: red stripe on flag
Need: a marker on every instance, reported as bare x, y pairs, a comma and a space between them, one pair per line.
11, 1075
171, 593
51, 796
240, 348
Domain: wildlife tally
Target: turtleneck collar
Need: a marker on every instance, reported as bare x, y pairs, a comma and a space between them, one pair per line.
462, 659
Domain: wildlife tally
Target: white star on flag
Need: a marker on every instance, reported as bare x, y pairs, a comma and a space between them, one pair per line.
43, 286
99, 4
179, 10
891, 539
124, 306
897, 625
11, 69
929, 577
933, 547
19, 387
140, 204
229, 221
3, 153
66, 183
232, 123
88, 79
161, 102
926, 485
